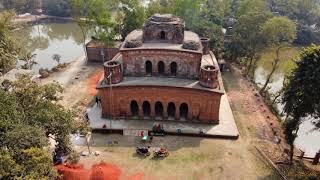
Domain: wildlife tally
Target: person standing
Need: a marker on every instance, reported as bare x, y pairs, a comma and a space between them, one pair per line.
97, 101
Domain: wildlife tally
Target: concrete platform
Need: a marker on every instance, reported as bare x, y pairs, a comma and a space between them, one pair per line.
225, 129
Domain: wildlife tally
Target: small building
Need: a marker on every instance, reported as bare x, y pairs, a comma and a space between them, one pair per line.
98, 52
162, 72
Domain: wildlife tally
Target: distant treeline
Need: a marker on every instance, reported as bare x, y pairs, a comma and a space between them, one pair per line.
50, 7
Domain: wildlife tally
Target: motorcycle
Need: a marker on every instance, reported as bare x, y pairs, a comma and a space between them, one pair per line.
161, 152
144, 151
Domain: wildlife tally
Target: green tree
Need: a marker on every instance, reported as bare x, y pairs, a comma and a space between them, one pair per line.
279, 32
78, 14
247, 6
132, 16
29, 60
61, 8
188, 10
29, 115
155, 6
98, 14
37, 164
8, 48
301, 94
247, 38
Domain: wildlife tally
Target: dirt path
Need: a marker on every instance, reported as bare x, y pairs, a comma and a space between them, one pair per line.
75, 80
256, 123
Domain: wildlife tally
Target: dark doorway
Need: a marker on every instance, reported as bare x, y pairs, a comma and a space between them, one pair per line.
183, 111
146, 108
161, 67
173, 68
148, 68
162, 35
159, 109
171, 110
134, 108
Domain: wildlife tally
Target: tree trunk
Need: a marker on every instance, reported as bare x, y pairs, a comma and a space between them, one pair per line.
274, 68
249, 67
291, 154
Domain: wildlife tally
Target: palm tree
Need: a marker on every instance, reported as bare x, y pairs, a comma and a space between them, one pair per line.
29, 60
57, 58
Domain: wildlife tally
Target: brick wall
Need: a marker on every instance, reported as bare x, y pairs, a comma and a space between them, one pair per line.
202, 105
94, 54
188, 63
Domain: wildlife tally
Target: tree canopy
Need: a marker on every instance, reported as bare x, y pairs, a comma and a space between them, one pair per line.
301, 96
8, 47
29, 115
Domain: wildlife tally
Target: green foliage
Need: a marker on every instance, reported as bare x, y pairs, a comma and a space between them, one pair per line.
155, 7
247, 6
97, 15
279, 30
29, 115
132, 16
301, 96
29, 60
8, 47
9, 169
37, 164
188, 10
61, 8
306, 13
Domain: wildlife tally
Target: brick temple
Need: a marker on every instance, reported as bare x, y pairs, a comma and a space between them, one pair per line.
162, 72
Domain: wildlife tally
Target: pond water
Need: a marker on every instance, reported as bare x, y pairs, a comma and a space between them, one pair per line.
308, 138
44, 40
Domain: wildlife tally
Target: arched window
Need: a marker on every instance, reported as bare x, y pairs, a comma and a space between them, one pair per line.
159, 109
146, 108
162, 35
171, 110
184, 111
148, 68
161, 67
173, 68
134, 108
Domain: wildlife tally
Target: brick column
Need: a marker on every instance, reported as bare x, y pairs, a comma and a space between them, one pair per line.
165, 110
152, 108
141, 115
177, 111
190, 116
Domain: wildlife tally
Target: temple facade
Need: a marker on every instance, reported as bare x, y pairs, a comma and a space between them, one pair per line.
163, 73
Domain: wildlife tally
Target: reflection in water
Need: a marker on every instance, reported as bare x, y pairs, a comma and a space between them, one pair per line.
48, 39
308, 138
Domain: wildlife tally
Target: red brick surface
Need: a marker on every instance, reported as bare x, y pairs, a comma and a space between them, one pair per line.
202, 105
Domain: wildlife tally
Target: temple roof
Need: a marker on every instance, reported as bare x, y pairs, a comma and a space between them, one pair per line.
136, 36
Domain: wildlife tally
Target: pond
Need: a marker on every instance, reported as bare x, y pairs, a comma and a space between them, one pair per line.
308, 137
45, 40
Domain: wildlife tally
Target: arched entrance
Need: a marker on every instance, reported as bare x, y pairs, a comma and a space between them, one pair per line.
162, 35
134, 108
148, 67
184, 111
171, 110
146, 108
159, 109
173, 68
161, 67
